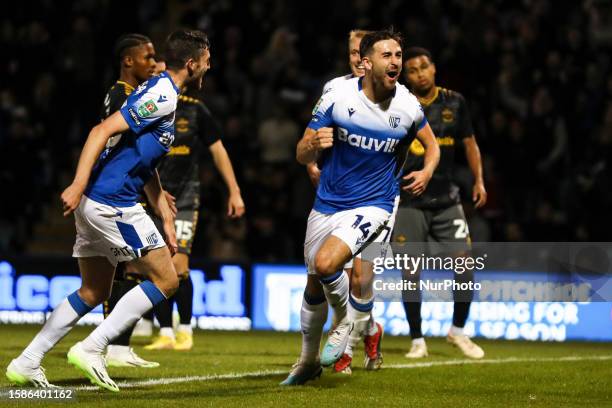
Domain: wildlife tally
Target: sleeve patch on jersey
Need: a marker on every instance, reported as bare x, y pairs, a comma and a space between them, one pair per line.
316, 108
134, 116
147, 109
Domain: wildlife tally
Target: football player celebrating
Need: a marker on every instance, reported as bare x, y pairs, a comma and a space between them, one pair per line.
357, 191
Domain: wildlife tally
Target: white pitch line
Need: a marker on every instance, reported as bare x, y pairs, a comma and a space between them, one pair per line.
500, 361
196, 378
255, 374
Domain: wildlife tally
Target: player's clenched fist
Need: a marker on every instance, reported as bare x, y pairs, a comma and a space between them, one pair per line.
323, 139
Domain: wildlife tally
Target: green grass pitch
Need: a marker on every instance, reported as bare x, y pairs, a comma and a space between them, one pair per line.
244, 369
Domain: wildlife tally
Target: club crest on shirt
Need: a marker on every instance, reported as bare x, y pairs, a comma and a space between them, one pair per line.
394, 121
182, 125
447, 115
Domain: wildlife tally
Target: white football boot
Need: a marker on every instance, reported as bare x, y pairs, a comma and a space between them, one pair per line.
417, 350
19, 374
125, 356
336, 342
466, 345
93, 365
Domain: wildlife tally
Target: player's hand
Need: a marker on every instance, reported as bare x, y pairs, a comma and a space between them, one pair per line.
170, 234
235, 206
171, 203
420, 179
479, 194
314, 173
71, 197
323, 139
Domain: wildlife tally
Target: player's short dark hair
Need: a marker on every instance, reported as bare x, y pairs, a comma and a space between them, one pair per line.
368, 40
183, 45
128, 41
414, 52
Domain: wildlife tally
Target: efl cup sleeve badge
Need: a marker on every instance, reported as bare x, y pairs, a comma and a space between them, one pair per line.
316, 108
147, 109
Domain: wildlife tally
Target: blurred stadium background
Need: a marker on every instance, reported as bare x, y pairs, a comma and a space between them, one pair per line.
537, 76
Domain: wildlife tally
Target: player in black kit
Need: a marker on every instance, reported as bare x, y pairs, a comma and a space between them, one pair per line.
437, 213
195, 130
136, 56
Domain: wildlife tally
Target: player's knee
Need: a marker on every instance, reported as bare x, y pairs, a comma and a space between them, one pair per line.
181, 263
324, 266
94, 296
169, 285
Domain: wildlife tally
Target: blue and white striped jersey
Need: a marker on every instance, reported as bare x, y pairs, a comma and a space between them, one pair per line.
129, 159
361, 168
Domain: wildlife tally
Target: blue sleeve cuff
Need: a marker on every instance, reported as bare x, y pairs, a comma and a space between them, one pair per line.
422, 124
315, 124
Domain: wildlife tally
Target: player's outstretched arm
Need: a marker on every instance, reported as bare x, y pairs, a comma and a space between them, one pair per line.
157, 198
472, 153
235, 204
312, 143
96, 141
432, 157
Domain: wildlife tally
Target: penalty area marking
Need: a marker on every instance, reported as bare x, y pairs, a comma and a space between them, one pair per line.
255, 374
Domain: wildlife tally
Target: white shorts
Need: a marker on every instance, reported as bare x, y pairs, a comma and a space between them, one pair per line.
354, 227
385, 234
117, 233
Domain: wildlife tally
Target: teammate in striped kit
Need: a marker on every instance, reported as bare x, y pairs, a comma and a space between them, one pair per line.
116, 166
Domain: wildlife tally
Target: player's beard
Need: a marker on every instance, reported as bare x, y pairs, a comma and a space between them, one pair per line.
196, 80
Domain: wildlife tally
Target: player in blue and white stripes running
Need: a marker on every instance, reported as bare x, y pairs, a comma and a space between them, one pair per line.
361, 302
116, 166
358, 129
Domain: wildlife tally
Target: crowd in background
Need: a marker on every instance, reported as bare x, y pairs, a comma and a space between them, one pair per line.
536, 74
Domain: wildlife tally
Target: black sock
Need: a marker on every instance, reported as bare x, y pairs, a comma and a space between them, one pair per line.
461, 311
163, 312
184, 299
463, 299
413, 314
412, 304
119, 289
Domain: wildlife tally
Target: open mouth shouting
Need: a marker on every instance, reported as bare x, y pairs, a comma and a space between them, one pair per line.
392, 74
